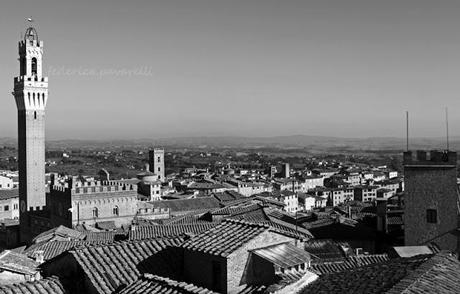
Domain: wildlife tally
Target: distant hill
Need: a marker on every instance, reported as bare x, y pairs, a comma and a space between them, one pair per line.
294, 141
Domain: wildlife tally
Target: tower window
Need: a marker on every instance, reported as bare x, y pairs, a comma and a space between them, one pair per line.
95, 212
115, 211
431, 216
34, 66
159, 159
159, 169
35, 115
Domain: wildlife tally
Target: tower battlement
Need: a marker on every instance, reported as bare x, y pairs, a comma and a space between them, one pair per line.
421, 158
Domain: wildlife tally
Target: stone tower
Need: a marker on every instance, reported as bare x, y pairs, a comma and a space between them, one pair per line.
31, 94
157, 163
431, 213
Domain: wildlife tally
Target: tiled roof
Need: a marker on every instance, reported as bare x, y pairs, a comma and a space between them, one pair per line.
228, 196
289, 229
101, 236
59, 233
184, 219
55, 248
237, 209
324, 248
440, 274
374, 278
43, 286
8, 193
17, 262
155, 284
257, 214
284, 255
184, 205
321, 267
225, 238
157, 231
110, 266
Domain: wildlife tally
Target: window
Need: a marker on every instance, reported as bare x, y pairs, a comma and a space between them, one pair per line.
115, 211
6, 208
34, 66
159, 169
15, 206
158, 159
431, 216
35, 115
95, 212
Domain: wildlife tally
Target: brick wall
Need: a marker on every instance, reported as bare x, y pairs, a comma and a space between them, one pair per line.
430, 188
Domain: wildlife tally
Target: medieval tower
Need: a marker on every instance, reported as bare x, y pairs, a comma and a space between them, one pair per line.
431, 199
31, 93
157, 163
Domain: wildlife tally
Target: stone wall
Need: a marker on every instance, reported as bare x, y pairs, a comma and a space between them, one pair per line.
430, 188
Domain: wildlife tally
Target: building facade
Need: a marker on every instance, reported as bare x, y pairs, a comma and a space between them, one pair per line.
431, 199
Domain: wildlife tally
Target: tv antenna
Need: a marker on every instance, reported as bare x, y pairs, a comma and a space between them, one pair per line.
447, 129
407, 130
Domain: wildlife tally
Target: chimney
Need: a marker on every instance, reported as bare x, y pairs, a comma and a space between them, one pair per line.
147, 167
39, 256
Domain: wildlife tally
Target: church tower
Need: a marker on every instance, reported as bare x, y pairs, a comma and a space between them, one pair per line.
31, 93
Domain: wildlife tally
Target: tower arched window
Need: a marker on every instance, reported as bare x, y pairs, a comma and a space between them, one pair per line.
95, 212
28, 95
34, 66
116, 211
35, 115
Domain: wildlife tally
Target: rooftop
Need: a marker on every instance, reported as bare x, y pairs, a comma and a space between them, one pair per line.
44, 286
438, 273
155, 284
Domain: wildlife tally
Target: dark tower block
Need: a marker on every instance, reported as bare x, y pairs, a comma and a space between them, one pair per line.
431, 199
31, 94
157, 163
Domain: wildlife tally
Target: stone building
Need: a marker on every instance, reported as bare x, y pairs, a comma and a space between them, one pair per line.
72, 203
157, 163
431, 213
9, 204
31, 94
236, 253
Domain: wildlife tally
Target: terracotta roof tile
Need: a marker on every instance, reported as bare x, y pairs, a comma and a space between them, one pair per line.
325, 267
55, 248
157, 231
375, 278
113, 265
155, 284
225, 238
44, 286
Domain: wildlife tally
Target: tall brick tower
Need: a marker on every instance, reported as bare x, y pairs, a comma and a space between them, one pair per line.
157, 163
431, 213
31, 93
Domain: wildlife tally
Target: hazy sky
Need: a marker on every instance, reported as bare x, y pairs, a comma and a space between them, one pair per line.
251, 67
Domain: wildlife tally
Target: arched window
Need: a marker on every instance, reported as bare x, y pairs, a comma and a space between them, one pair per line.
95, 212
33, 98
116, 211
34, 66
28, 94
35, 115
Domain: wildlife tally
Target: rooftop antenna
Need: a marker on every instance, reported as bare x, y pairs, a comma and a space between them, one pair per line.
447, 129
407, 130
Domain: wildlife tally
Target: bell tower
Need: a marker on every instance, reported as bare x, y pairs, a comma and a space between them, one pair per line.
31, 94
